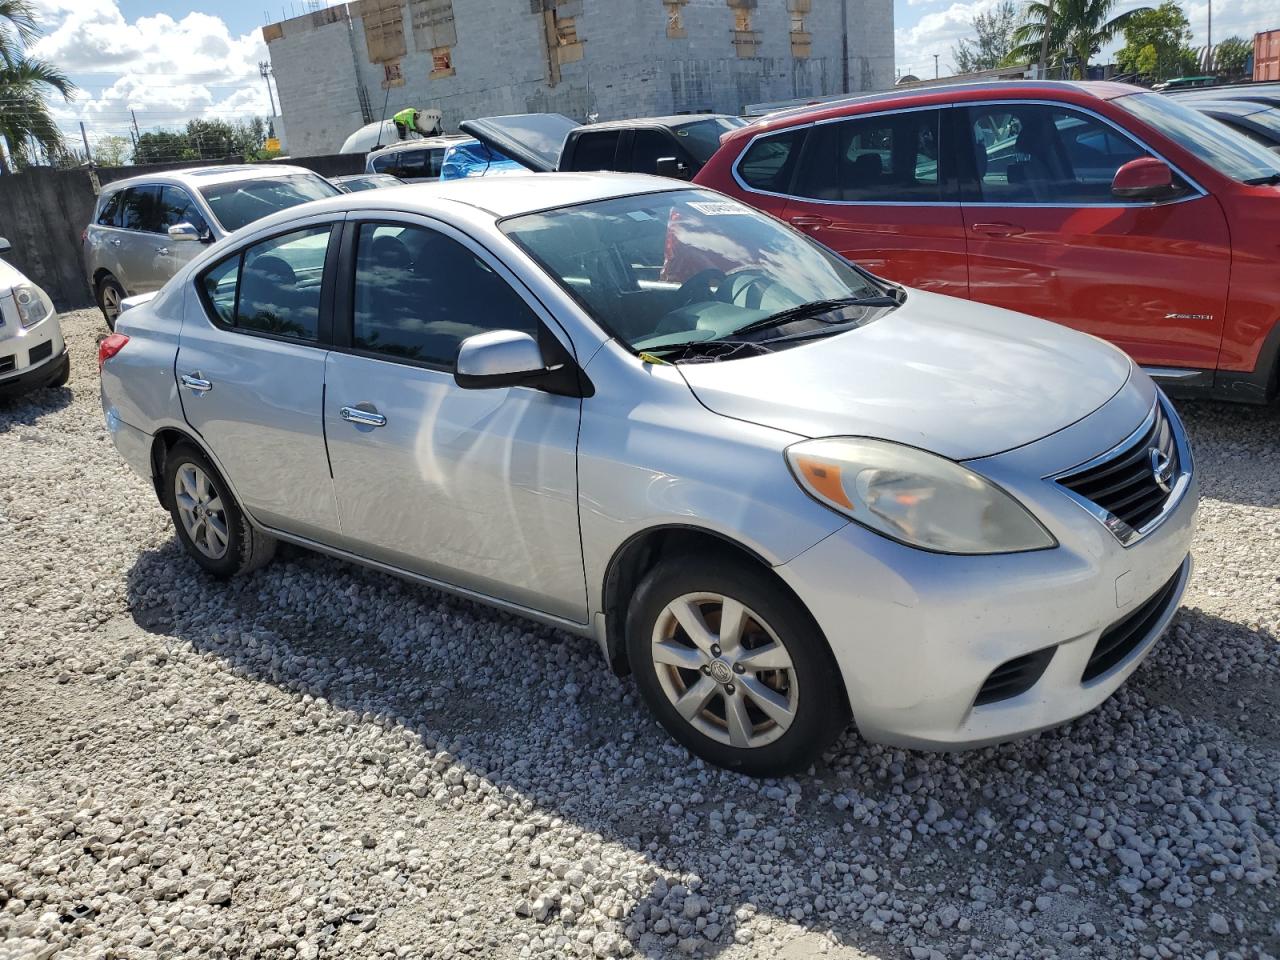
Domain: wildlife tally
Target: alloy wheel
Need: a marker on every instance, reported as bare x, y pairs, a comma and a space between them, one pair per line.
111, 302
201, 511
724, 670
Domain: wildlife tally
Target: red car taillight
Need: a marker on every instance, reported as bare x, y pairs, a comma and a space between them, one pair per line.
109, 347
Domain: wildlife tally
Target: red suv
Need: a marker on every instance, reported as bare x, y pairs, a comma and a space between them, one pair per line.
1102, 206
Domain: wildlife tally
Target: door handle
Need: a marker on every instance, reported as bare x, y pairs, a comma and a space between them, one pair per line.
163, 251
195, 383
366, 418
116, 242
997, 229
808, 221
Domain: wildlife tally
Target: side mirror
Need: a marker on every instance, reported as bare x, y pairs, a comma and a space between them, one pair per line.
5, 245
671, 167
499, 358
1144, 179
184, 231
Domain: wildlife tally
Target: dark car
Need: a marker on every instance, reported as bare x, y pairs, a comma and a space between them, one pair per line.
1255, 119
551, 141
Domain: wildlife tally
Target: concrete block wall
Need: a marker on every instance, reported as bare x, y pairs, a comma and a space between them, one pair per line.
630, 66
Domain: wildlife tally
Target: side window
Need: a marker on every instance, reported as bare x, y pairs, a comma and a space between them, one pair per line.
649, 146
383, 163
595, 151
1036, 153
768, 163
419, 294
435, 157
176, 206
273, 286
890, 158
109, 217
139, 210
411, 163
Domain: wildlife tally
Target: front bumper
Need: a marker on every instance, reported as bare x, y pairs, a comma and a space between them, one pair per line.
916, 635
35, 377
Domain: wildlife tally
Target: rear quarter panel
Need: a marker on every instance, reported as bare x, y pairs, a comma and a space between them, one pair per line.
138, 384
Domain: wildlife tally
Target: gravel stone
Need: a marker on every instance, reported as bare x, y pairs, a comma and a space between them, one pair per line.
322, 761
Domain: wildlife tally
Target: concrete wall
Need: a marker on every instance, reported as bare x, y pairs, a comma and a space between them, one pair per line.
630, 66
43, 211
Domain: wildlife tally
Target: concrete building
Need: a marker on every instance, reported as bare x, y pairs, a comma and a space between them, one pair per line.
341, 67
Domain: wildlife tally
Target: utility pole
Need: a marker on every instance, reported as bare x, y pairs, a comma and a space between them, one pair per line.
136, 132
264, 68
1208, 53
844, 45
1044, 42
85, 137
935, 66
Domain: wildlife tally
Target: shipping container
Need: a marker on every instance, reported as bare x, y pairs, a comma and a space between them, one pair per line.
1266, 55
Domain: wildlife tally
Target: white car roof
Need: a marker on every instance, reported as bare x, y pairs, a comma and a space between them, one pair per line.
206, 176
421, 143
511, 195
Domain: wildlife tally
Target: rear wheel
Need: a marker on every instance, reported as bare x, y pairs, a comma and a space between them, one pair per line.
209, 522
734, 667
110, 294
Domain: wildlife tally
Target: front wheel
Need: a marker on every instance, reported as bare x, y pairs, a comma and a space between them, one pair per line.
209, 522
734, 667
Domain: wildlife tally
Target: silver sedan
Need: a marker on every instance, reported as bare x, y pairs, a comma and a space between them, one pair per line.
778, 491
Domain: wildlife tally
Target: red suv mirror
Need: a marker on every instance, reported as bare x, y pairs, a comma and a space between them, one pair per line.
1144, 179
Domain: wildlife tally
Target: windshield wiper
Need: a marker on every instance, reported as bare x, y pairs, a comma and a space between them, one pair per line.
1268, 180
814, 309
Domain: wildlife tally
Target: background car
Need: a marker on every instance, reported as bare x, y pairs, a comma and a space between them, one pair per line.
780, 493
1258, 121
413, 161
1102, 206
365, 181
146, 228
32, 353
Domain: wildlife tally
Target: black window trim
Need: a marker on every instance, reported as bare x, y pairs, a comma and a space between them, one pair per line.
1196, 192
325, 321
558, 346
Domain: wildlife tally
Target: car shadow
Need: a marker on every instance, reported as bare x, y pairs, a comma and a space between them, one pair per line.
27, 409
872, 838
1234, 445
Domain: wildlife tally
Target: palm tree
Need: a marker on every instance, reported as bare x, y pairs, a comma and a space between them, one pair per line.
1078, 28
25, 86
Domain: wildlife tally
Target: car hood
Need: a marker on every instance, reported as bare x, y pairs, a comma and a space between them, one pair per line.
961, 379
9, 276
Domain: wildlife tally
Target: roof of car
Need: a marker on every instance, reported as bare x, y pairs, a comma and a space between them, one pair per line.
942, 93
441, 141
675, 120
206, 176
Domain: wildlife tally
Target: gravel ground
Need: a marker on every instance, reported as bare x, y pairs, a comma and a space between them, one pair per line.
321, 761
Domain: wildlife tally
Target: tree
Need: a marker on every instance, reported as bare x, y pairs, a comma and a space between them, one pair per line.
163, 146
1230, 55
1077, 30
112, 151
26, 83
994, 41
1158, 43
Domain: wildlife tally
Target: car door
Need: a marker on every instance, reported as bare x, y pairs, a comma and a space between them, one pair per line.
476, 488
592, 150
138, 241
177, 206
651, 144
879, 191
1047, 237
250, 370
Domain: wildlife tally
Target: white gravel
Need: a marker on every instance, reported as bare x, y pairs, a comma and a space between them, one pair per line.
321, 761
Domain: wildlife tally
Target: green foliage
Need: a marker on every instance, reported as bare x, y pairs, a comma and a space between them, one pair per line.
1077, 30
112, 151
204, 139
1230, 55
26, 83
1158, 43
994, 40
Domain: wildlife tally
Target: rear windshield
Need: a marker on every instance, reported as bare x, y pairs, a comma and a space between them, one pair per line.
702, 137
1213, 142
241, 202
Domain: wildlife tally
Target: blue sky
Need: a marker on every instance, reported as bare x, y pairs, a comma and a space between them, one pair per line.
170, 60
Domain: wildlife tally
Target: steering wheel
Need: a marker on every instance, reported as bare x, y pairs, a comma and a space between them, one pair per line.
750, 284
698, 286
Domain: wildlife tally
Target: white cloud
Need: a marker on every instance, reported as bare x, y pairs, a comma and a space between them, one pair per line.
165, 70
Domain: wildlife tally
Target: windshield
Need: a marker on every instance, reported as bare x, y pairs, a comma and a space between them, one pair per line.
702, 137
662, 269
241, 202
1213, 142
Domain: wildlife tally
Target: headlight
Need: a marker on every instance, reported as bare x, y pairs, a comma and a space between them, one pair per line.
915, 497
31, 305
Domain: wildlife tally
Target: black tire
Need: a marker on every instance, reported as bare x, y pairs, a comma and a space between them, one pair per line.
821, 711
109, 283
246, 548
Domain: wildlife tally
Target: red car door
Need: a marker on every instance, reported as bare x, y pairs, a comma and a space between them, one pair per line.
880, 191
1047, 237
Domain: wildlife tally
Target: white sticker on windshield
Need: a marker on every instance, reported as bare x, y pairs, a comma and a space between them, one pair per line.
640, 215
716, 208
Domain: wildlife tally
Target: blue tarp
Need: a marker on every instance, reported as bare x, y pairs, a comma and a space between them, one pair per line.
471, 158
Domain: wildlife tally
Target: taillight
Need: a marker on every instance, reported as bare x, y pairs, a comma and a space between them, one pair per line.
109, 347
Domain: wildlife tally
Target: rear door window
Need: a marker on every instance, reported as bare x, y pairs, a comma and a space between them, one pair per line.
595, 151
890, 158
140, 209
110, 215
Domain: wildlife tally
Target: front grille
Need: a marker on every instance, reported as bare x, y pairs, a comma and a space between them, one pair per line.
1125, 484
1120, 639
40, 352
8, 363
1014, 677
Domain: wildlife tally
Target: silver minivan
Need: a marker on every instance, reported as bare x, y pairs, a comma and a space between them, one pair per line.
145, 229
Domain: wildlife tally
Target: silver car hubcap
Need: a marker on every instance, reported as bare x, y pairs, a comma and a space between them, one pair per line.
111, 301
724, 670
201, 511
